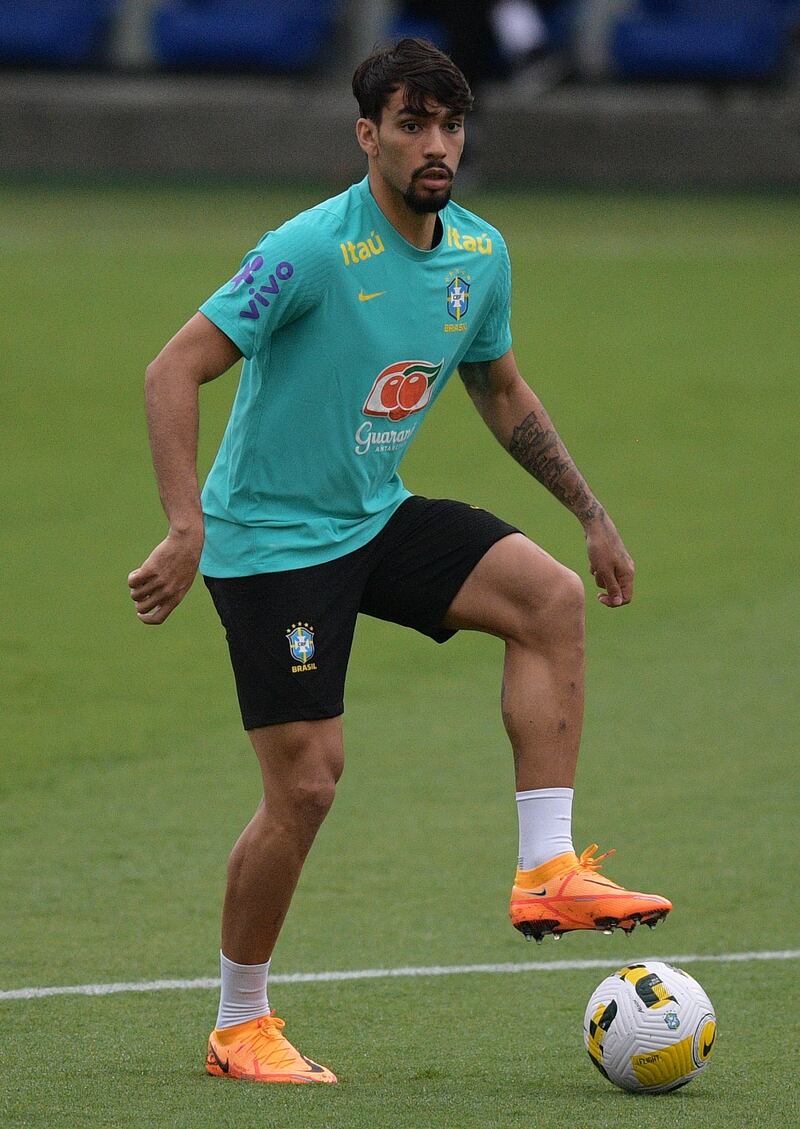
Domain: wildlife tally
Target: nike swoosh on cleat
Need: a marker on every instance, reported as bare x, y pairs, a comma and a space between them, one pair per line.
213, 1058
315, 1066
362, 297
534, 893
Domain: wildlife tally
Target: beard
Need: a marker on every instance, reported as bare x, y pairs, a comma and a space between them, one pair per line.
420, 203
430, 202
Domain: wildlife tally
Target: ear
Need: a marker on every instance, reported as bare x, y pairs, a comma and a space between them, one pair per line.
367, 135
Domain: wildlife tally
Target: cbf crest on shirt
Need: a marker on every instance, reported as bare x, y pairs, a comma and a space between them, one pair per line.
349, 335
458, 298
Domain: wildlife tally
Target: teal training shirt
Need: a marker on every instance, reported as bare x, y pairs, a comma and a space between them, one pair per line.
349, 334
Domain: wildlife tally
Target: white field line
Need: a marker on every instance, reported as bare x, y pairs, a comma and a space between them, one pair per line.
390, 973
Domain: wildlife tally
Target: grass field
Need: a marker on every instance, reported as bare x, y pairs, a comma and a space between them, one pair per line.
662, 334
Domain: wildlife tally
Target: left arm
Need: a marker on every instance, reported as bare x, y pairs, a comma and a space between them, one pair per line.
517, 418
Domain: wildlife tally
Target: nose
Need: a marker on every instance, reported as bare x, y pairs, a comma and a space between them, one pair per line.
435, 148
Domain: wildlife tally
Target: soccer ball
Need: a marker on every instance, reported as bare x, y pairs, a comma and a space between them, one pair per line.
649, 1028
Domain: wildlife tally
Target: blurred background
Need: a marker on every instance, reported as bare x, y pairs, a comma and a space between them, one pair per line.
631, 93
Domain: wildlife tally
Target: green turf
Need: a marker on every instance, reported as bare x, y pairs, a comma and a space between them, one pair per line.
662, 335
450, 1052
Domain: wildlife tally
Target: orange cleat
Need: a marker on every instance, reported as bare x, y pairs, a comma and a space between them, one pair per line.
258, 1052
567, 893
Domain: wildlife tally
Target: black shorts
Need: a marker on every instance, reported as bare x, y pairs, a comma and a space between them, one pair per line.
290, 633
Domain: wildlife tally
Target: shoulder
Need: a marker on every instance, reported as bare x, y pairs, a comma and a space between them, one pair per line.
326, 219
313, 240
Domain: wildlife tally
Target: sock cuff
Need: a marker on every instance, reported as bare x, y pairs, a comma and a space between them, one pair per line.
546, 793
232, 966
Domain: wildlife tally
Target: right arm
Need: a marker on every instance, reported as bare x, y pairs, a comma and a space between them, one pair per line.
197, 354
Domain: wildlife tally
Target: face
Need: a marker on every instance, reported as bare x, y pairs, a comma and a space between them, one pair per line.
416, 155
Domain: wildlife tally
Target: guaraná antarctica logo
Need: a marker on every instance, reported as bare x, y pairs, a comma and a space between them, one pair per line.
403, 388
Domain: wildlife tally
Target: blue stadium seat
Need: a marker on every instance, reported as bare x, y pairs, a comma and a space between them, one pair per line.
54, 32
559, 19
791, 12
273, 35
707, 40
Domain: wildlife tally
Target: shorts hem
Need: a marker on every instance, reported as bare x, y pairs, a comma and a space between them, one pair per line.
293, 715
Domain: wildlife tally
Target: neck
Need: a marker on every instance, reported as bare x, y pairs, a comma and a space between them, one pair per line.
416, 229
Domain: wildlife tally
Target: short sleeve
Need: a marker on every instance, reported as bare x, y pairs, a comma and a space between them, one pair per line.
279, 280
493, 339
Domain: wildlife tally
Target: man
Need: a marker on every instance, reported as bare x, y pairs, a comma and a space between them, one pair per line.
351, 317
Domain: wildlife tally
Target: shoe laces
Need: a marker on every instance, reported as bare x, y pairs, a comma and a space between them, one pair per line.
271, 1026
587, 862
278, 1049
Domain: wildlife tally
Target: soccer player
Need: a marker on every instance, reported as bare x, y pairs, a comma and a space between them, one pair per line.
351, 317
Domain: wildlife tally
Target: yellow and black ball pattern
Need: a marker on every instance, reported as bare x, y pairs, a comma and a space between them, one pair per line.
649, 1028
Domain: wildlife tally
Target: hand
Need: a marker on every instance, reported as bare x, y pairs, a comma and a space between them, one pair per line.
159, 585
609, 561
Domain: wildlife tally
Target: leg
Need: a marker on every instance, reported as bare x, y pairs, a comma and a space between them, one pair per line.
292, 711
535, 605
300, 764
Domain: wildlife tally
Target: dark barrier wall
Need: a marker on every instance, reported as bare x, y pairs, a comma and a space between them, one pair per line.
667, 137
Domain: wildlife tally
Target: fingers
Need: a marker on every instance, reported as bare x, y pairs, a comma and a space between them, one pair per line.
618, 587
155, 598
142, 575
146, 589
626, 584
164, 578
146, 601
154, 605
609, 601
160, 612
611, 566
612, 597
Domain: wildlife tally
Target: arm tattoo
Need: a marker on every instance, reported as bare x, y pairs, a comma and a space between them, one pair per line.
538, 448
475, 375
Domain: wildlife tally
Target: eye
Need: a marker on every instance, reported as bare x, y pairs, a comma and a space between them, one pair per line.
410, 127
454, 127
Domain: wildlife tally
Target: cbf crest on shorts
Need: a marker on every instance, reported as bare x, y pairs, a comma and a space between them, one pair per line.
458, 298
300, 638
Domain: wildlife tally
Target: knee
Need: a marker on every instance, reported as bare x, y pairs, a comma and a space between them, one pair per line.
310, 795
304, 781
569, 593
556, 612
564, 609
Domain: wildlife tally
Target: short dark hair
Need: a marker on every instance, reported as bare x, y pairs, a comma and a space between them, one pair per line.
426, 72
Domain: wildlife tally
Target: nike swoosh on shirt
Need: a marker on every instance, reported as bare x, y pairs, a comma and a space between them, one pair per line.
362, 297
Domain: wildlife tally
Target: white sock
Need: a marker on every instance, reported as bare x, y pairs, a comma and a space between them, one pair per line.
244, 992
545, 825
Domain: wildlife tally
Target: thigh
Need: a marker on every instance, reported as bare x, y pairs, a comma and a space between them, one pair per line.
289, 635
423, 557
511, 583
